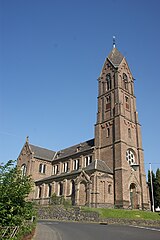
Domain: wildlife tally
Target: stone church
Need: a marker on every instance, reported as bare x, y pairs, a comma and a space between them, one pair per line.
106, 171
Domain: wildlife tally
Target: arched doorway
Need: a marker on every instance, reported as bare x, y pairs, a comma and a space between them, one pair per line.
82, 194
133, 196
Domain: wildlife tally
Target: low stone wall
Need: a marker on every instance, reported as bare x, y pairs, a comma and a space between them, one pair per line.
69, 214
59, 213
137, 222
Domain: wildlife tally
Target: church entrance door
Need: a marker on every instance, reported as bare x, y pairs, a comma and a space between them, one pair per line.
133, 196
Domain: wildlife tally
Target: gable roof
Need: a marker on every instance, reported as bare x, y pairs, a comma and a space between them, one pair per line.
49, 155
81, 147
99, 165
115, 57
42, 153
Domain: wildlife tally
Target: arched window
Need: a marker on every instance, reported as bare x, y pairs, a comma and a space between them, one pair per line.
130, 157
55, 169
109, 188
125, 81
108, 102
42, 168
108, 80
88, 160
129, 132
49, 190
108, 131
76, 164
127, 102
60, 189
23, 169
66, 167
40, 192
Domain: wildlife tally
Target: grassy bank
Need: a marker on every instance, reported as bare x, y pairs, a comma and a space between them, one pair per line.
124, 214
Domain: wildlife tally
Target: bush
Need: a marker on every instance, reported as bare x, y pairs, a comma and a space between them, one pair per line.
60, 200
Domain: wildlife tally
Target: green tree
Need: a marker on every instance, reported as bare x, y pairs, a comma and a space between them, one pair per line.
157, 188
14, 188
153, 184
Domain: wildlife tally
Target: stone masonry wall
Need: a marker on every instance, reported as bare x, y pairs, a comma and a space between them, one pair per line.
59, 213
70, 214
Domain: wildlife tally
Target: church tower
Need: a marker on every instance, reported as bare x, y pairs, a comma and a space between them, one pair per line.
118, 139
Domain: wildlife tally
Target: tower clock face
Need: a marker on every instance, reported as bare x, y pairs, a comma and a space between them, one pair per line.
130, 157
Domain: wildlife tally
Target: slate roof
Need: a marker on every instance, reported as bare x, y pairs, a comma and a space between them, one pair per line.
49, 155
42, 153
62, 175
81, 147
115, 57
98, 165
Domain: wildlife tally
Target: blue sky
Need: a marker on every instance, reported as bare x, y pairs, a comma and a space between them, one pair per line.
51, 54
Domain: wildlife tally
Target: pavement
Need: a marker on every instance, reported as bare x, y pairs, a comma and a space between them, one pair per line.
44, 232
51, 230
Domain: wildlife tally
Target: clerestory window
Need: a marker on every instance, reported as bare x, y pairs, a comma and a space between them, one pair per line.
76, 164
42, 168
88, 160
55, 169
66, 167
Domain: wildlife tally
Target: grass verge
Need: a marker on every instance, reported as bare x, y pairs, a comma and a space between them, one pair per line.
124, 214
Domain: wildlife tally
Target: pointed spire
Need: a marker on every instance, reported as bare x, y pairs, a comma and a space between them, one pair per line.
115, 57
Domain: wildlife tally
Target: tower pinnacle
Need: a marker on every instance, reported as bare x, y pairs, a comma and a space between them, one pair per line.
114, 41
27, 139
